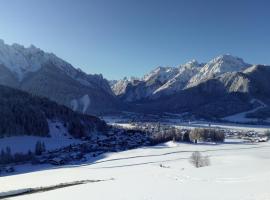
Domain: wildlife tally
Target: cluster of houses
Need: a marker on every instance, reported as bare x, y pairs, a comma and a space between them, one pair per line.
156, 127
116, 140
119, 139
152, 127
248, 136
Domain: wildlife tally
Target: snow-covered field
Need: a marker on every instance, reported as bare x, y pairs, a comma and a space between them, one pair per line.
237, 172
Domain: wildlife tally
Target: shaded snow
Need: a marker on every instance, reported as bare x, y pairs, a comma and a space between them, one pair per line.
181, 78
59, 138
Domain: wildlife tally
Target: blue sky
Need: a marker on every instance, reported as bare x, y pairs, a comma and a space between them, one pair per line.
130, 37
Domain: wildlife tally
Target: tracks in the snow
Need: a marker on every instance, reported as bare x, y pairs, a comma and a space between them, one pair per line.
27, 191
166, 154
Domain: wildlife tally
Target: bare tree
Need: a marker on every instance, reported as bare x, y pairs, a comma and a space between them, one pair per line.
198, 160
267, 133
195, 135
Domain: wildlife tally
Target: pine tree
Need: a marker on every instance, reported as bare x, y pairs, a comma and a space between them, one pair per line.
38, 148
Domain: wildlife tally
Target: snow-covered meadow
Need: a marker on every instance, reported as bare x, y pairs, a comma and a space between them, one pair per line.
237, 171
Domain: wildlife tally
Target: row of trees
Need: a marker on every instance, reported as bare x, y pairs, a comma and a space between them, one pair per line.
171, 134
6, 156
195, 135
206, 135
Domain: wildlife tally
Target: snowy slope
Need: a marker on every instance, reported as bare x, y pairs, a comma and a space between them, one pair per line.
22, 60
161, 74
179, 81
236, 172
119, 87
22, 144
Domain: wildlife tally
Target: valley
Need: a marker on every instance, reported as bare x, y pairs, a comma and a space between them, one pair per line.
67, 133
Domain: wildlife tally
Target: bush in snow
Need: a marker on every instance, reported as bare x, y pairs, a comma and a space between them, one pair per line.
198, 160
267, 133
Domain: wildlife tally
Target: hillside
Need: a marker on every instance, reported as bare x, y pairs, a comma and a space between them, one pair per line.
25, 114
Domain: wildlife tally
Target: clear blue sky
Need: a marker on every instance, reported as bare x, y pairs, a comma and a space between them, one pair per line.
130, 37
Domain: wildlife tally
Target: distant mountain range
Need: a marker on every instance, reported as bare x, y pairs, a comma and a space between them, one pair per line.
164, 81
224, 86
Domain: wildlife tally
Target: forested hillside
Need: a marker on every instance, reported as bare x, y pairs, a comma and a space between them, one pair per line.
25, 114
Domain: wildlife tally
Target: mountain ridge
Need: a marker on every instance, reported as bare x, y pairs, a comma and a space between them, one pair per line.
168, 80
44, 74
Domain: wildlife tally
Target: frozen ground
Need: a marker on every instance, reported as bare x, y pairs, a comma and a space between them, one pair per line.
238, 172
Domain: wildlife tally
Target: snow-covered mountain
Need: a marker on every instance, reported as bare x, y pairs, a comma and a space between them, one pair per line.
180, 79
136, 89
41, 73
119, 87
217, 66
218, 97
164, 81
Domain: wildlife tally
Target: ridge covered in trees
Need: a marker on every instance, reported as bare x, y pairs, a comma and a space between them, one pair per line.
25, 114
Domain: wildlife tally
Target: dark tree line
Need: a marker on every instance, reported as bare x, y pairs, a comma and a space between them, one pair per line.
195, 135
6, 157
206, 135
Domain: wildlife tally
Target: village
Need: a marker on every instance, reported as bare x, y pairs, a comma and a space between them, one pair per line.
121, 137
